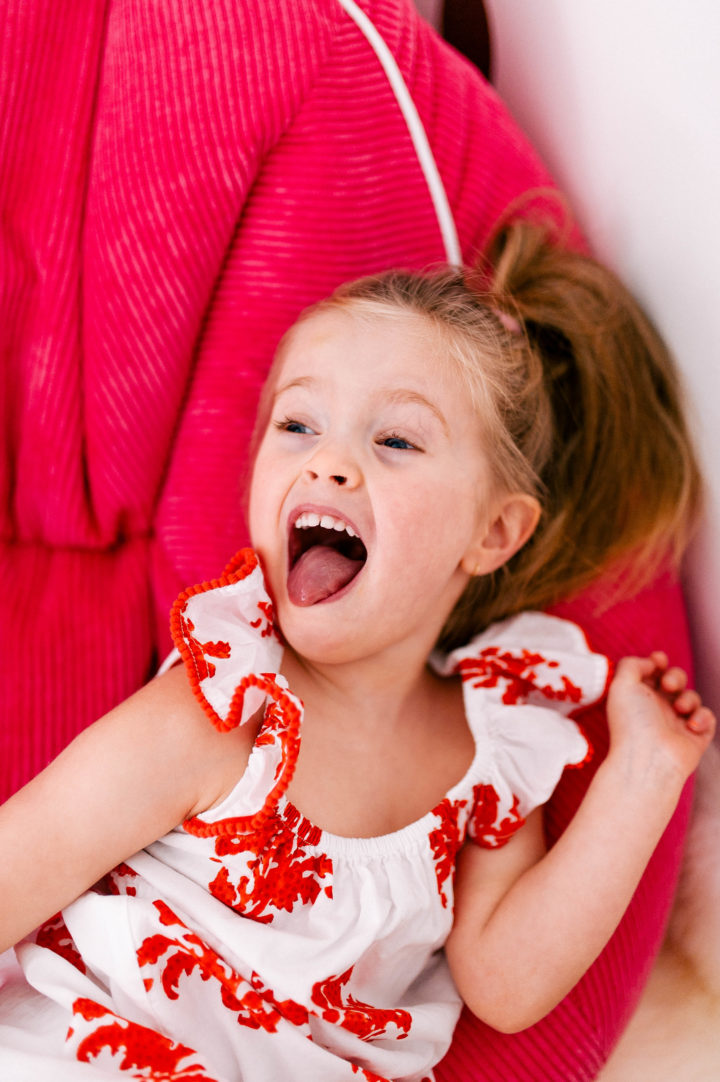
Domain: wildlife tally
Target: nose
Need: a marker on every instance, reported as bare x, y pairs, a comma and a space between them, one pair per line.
334, 464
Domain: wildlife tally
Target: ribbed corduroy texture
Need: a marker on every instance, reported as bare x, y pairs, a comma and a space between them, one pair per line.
179, 178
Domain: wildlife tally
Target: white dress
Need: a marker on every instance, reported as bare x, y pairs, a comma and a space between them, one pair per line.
248, 944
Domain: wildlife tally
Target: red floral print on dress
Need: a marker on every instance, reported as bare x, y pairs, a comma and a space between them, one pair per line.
365, 1021
278, 870
517, 674
248, 998
54, 935
194, 652
445, 841
485, 827
117, 881
201, 651
148, 1054
265, 622
276, 730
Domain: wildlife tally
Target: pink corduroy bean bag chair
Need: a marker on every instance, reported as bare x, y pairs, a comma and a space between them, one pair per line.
178, 181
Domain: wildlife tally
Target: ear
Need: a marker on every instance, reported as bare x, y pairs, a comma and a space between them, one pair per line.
513, 522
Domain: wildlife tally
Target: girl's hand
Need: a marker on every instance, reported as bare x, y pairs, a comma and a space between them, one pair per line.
528, 927
656, 720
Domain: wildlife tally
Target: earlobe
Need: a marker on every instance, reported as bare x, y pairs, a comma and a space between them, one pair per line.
513, 523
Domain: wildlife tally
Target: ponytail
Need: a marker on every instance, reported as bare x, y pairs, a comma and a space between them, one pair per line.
620, 484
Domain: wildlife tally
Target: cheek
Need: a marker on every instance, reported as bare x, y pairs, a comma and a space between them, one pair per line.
446, 537
434, 522
258, 502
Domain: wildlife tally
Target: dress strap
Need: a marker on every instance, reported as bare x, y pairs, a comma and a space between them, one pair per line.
522, 678
225, 633
225, 630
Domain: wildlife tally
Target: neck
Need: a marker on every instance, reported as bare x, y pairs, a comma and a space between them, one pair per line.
381, 691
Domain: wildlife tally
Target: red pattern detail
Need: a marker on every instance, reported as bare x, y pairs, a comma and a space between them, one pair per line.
365, 1021
115, 881
484, 828
249, 999
54, 935
265, 622
445, 841
284, 714
193, 653
276, 729
280, 872
146, 1052
517, 673
201, 651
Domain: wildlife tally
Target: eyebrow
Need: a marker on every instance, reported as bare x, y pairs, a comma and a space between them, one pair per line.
301, 381
415, 398
401, 396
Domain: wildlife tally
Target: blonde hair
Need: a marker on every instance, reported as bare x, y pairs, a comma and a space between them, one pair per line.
581, 408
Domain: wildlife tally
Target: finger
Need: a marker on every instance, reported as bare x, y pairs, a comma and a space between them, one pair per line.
636, 668
702, 722
687, 702
659, 659
673, 681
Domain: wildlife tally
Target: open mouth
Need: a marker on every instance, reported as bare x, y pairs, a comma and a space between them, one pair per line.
325, 556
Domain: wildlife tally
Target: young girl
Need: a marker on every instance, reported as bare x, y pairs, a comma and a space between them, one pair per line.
434, 453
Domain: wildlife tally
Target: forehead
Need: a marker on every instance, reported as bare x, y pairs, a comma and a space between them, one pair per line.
379, 346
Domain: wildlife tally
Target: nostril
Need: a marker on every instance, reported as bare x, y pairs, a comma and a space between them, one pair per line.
338, 478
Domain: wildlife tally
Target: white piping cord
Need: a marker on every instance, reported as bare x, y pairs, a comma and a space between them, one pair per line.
427, 162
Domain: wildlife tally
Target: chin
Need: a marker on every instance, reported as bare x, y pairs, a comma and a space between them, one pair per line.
308, 634
324, 653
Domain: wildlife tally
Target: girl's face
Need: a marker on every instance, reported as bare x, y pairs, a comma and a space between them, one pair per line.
370, 497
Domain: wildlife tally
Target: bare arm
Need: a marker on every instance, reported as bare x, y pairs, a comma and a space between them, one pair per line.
519, 945
124, 782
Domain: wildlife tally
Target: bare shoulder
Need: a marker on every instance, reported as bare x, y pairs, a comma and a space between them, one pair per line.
179, 740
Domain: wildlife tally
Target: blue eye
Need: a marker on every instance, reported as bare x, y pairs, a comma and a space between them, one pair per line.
288, 425
397, 443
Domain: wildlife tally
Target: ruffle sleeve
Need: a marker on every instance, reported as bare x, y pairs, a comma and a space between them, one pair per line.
225, 633
521, 679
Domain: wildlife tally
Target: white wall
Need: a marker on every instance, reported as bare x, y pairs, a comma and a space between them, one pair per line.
622, 99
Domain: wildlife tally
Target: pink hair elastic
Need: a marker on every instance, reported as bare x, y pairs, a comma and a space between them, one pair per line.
510, 323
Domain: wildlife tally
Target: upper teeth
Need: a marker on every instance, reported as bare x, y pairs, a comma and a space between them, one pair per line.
309, 518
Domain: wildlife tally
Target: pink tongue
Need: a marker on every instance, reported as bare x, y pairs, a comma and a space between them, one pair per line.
320, 572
